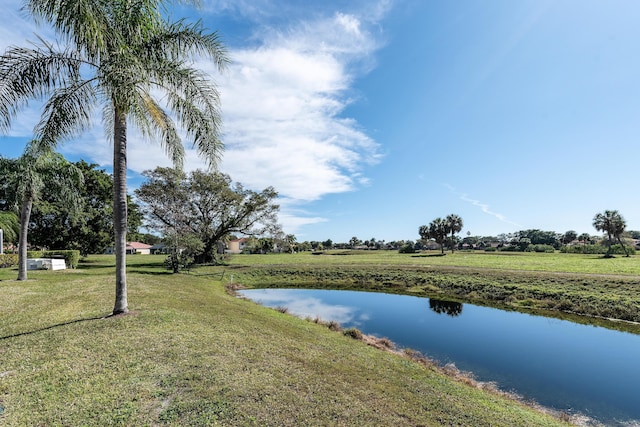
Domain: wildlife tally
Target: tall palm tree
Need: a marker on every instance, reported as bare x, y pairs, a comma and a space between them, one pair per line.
613, 224
454, 223
119, 54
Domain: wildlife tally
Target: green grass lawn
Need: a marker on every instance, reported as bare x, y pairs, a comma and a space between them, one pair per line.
522, 261
191, 354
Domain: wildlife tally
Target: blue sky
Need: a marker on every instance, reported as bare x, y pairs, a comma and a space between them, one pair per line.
372, 118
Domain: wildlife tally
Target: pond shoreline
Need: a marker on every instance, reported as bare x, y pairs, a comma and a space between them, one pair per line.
449, 369
612, 302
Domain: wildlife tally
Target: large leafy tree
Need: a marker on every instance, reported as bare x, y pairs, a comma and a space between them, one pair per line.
207, 205
118, 55
612, 223
438, 230
88, 229
455, 224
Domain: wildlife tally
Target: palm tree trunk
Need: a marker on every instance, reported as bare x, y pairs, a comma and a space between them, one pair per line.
25, 216
609, 246
624, 248
120, 208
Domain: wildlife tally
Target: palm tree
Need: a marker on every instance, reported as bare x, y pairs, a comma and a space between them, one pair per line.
438, 229
9, 228
613, 224
33, 171
454, 223
119, 54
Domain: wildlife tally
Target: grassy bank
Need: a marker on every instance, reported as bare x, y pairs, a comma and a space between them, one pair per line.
585, 285
190, 354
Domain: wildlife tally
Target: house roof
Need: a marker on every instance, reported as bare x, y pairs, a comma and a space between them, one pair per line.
242, 240
138, 245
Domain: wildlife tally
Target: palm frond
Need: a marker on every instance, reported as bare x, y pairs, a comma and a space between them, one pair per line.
67, 113
10, 225
83, 22
195, 101
27, 73
152, 120
180, 40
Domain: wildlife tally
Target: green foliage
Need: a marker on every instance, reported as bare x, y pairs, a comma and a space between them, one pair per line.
540, 248
407, 249
89, 229
71, 257
10, 225
616, 249
208, 205
612, 223
8, 260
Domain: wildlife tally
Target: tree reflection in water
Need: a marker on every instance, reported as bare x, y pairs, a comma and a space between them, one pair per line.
451, 308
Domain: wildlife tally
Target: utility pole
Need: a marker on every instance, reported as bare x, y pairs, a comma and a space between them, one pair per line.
1, 242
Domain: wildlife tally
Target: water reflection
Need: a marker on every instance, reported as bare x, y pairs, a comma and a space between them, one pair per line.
560, 364
308, 306
450, 308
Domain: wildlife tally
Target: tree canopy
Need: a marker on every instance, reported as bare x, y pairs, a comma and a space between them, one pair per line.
438, 230
612, 223
207, 205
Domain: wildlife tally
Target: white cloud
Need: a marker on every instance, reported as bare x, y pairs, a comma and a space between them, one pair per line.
485, 208
282, 102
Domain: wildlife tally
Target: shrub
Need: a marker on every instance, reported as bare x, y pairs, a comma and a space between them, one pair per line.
598, 249
34, 254
540, 248
407, 249
491, 249
333, 325
353, 333
8, 260
71, 258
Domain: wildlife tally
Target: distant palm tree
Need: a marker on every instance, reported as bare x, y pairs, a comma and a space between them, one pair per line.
454, 223
438, 229
120, 54
613, 224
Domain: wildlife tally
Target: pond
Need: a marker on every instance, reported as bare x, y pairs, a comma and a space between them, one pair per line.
571, 367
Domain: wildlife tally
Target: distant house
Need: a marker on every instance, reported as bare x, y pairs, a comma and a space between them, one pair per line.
236, 246
133, 248
138, 248
159, 248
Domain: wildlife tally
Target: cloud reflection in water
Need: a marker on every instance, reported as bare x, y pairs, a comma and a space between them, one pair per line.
307, 306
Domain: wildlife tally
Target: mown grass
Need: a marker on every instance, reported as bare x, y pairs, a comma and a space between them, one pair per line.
191, 354
520, 261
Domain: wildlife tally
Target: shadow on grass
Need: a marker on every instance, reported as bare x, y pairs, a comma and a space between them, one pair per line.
427, 255
149, 272
71, 322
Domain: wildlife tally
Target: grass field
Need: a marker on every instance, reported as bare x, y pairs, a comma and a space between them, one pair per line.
520, 261
191, 354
